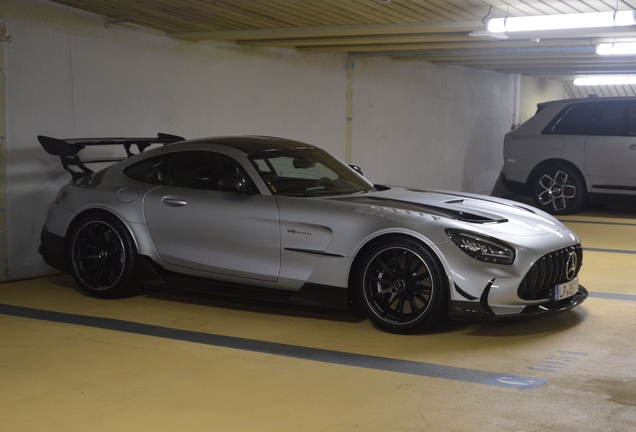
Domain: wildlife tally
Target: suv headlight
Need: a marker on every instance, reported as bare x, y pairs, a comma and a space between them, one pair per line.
482, 247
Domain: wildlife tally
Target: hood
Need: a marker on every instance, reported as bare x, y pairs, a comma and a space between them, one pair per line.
495, 215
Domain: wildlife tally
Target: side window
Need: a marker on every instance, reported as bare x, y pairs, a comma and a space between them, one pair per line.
151, 170
631, 119
612, 119
606, 118
199, 170
575, 119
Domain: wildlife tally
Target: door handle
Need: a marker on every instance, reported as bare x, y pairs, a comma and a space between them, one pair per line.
171, 201
632, 147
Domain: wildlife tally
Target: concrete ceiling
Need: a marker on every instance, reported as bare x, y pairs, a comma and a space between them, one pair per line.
433, 31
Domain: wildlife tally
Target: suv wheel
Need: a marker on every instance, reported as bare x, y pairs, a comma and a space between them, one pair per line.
558, 189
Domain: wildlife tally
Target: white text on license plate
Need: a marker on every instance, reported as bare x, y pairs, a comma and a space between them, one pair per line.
567, 289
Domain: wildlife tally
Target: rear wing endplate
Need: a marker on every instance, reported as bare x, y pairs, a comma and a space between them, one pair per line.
68, 149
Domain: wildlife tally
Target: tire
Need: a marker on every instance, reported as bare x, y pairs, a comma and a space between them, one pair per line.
401, 286
102, 257
559, 190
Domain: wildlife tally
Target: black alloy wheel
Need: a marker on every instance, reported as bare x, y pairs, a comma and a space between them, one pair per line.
401, 286
102, 257
559, 190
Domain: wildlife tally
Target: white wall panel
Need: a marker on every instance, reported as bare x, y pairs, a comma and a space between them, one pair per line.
536, 90
427, 126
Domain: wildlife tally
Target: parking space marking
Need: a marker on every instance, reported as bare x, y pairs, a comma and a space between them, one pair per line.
597, 222
612, 296
284, 350
558, 361
618, 251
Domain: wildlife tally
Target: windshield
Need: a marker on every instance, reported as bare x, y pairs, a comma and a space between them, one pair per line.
307, 172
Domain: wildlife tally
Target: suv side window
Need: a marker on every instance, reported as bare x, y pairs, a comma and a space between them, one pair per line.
616, 118
631, 119
607, 118
575, 119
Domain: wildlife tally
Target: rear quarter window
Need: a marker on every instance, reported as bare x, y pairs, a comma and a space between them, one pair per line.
575, 119
151, 170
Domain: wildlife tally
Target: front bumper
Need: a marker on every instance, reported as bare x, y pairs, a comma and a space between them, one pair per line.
477, 310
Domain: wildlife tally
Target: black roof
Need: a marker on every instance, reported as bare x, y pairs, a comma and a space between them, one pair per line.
251, 144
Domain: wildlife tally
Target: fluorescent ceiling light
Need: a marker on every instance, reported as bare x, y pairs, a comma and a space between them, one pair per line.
564, 21
605, 80
489, 35
625, 48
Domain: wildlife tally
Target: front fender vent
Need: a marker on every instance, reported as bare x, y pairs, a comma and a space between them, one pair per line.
549, 271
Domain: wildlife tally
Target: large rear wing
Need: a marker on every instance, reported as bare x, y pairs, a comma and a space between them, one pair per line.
68, 149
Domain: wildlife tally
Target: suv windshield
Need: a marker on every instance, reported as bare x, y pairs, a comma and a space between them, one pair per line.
307, 172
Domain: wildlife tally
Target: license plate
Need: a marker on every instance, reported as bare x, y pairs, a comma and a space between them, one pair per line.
567, 289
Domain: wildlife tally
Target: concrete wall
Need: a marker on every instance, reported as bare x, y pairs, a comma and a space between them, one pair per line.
427, 126
68, 75
535, 90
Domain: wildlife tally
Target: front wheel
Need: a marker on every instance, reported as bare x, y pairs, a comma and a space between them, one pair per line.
401, 286
559, 190
102, 256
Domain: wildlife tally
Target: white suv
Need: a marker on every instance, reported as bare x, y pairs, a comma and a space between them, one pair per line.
572, 152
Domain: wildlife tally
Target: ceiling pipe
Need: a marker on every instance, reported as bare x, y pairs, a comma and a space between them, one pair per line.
330, 31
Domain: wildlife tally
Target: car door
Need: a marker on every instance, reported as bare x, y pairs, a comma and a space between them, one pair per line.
610, 152
195, 226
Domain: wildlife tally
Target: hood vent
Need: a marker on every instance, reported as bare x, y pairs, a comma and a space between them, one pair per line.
442, 210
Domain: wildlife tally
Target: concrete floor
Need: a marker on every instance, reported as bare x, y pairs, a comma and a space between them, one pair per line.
165, 361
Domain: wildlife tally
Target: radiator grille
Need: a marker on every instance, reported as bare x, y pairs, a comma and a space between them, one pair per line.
549, 271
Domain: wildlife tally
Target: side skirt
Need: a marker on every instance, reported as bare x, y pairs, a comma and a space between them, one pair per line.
323, 296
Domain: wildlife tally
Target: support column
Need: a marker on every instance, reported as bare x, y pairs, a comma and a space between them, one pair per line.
4, 270
349, 111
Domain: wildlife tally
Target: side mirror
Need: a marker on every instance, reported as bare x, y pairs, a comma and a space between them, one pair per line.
357, 169
234, 183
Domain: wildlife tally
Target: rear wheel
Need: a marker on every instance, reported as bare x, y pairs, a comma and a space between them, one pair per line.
559, 189
102, 256
401, 286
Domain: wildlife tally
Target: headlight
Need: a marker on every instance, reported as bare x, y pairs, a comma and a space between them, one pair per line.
482, 247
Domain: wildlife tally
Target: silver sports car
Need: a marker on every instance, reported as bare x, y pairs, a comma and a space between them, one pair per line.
282, 220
